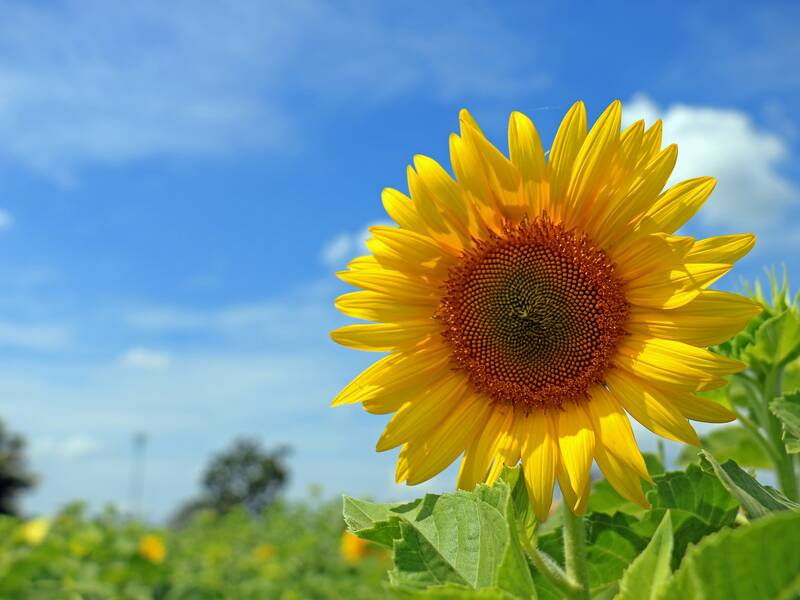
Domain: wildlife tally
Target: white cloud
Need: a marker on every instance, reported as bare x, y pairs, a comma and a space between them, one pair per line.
751, 192
6, 220
145, 358
286, 321
336, 252
39, 337
71, 447
95, 82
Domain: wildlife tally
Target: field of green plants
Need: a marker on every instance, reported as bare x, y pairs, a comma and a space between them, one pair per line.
295, 551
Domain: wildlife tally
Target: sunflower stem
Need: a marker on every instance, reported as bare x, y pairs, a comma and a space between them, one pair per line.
575, 552
784, 462
550, 569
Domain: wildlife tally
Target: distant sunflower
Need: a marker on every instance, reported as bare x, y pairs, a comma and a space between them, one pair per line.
531, 304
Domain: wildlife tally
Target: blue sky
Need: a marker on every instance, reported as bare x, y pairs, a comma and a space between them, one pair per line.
179, 181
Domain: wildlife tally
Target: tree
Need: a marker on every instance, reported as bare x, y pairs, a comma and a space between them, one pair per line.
244, 475
14, 475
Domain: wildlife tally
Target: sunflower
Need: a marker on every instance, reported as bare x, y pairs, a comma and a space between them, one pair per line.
532, 304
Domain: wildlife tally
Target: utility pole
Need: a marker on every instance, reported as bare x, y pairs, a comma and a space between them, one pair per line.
136, 491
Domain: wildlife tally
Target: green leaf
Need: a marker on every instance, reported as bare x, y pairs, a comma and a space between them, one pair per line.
605, 499
450, 592
612, 544
787, 409
777, 340
756, 500
646, 574
465, 539
737, 346
730, 443
757, 561
655, 466
699, 505
455, 538
375, 521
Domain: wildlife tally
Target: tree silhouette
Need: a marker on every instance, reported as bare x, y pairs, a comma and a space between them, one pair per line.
245, 474
14, 475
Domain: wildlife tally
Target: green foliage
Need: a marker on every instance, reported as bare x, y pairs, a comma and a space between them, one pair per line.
699, 505
466, 544
644, 578
764, 395
733, 442
755, 499
291, 552
787, 410
462, 539
776, 341
757, 561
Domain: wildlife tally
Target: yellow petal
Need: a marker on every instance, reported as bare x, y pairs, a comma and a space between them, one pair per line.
594, 158
677, 205
539, 461
711, 318
722, 249
395, 283
673, 362
434, 453
410, 245
480, 454
464, 116
451, 211
576, 442
674, 287
632, 205
373, 306
649, 253
576, 500
566, 145
701, 409
502, 177
630, 143
650, 406
624, 479
613, 430
469, 174
382, 337
432, 270
401, 209
393, 373
509, 447
423, 413
401, 471
651, 144
527, 154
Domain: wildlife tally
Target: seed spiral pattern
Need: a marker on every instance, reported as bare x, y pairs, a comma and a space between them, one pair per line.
534, 315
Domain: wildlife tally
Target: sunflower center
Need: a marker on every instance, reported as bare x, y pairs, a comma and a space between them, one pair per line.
534, 315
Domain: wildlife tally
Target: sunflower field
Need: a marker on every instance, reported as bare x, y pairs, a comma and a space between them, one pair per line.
294, 551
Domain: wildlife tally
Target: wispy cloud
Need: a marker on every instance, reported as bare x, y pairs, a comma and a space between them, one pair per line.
290, 320
102, 83
337, 251
145, 358
37, 337
6, 220
72, 447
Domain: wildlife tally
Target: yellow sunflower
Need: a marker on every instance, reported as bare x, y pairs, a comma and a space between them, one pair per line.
532, 303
